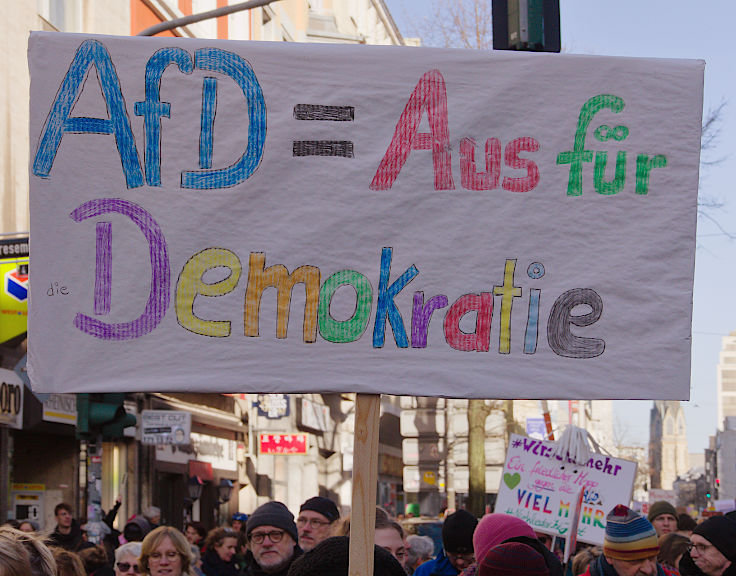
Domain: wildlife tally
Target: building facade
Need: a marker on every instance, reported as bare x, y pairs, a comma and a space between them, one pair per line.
726, 379
724, 480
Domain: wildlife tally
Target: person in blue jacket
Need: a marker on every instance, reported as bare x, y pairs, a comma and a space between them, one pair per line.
457, 547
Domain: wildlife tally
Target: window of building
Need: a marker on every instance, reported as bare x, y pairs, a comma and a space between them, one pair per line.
60, 15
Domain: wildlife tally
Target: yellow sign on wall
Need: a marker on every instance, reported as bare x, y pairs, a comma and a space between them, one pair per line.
14, 292
13, 298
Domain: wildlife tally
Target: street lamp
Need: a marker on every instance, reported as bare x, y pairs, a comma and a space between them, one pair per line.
224, 490
195, 487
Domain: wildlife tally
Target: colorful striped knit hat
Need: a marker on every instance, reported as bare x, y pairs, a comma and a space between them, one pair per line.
629, 536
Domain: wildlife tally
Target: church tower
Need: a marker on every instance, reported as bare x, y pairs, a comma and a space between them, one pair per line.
668, 455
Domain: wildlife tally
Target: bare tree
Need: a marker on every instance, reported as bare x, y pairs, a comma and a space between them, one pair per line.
478, 411
457, 24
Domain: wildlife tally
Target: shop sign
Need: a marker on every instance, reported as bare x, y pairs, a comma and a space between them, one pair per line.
61, 408
201, 469
314, 416
220, 452
11, 399
283, 444
273, 406
165, 427
14, 248
14, 293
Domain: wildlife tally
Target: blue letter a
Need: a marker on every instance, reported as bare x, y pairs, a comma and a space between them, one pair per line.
59, 120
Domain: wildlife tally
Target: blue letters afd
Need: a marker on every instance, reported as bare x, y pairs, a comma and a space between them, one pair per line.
92, 52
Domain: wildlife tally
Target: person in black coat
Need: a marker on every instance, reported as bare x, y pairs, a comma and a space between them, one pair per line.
219, 556
68, 532
713, 546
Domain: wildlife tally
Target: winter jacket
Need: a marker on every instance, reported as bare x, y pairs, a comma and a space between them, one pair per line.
252, 568
69, 541
213, 565
440, 566
600, 567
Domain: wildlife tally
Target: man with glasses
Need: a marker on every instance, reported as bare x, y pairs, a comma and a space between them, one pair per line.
272, 537
713, 547
457, 547
317, 517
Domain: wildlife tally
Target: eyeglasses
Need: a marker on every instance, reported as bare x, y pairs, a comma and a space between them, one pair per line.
170, 555
258, 537
313, 522
701, 548
125, 566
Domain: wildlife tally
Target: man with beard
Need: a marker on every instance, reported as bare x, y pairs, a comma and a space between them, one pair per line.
630, 547
272, 537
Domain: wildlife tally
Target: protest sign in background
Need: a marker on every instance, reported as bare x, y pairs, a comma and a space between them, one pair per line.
542, 490
452, 223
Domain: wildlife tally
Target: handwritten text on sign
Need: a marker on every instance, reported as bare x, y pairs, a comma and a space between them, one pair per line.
413, 208
540, 488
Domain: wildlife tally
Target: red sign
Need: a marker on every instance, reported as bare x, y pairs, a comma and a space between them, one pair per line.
283, 444
201, 469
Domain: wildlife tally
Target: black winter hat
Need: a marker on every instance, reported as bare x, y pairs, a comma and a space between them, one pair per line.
457, 532
330, 558
272, 514
323, 506
721, 532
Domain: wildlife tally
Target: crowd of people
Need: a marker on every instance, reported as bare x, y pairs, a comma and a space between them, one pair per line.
272, 542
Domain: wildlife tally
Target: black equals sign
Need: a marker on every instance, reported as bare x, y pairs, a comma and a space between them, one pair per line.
342, 148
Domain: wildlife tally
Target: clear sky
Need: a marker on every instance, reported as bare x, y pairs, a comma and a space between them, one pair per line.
670, 29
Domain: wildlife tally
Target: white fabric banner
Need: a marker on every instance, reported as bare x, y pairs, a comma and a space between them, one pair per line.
276, 217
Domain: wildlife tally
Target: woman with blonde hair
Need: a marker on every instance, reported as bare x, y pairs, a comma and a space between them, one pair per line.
23, 554
165, 551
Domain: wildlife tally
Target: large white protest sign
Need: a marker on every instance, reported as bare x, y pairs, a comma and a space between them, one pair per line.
275, 217
542, 489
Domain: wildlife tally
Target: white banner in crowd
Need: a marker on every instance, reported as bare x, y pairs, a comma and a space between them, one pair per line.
544, 491
276, 217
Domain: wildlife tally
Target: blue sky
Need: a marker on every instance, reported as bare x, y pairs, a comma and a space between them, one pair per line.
666, 29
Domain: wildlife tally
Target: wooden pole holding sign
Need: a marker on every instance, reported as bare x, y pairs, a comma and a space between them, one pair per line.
365, 479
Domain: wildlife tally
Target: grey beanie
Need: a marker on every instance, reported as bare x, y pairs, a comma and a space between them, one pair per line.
272, 514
